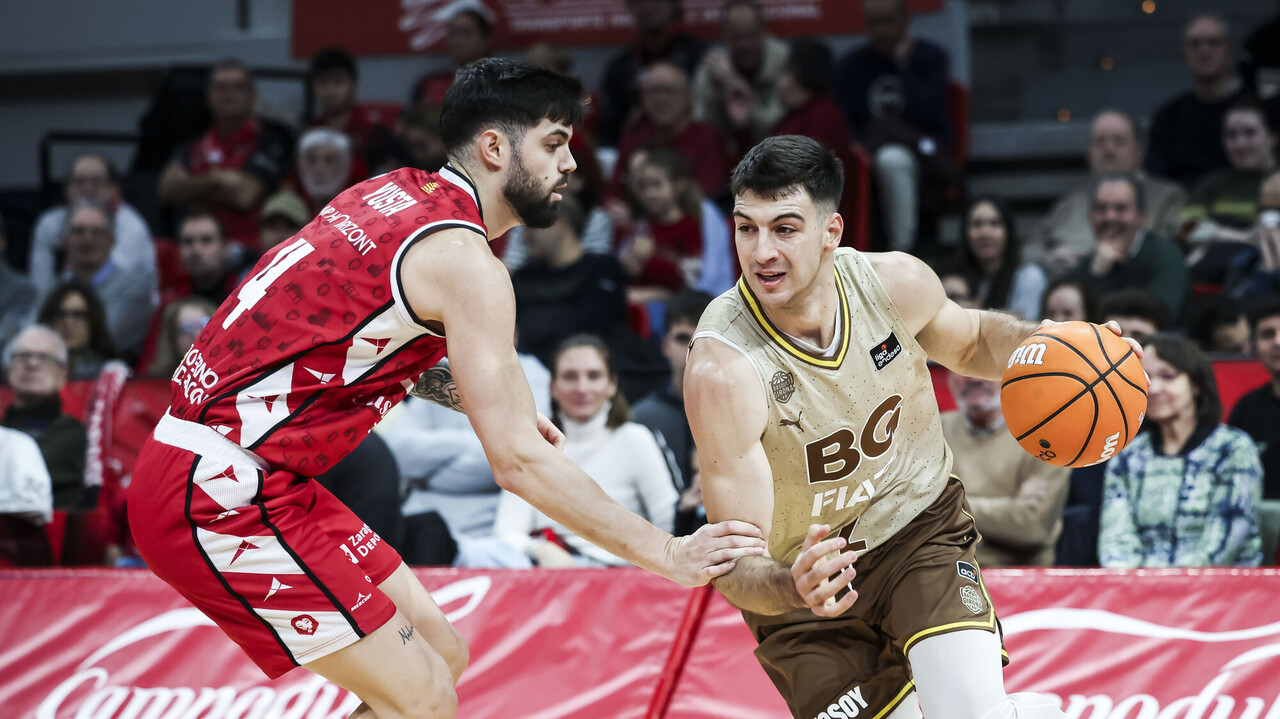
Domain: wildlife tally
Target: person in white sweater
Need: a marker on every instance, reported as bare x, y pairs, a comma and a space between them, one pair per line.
623, 457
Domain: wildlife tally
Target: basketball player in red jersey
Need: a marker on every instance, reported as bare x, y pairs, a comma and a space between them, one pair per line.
316, 345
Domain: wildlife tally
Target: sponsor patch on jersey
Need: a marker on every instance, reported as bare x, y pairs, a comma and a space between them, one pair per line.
968, 571
885, 352
971, 599
783, 386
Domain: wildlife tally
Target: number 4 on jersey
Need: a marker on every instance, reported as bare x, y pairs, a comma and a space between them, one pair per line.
255, 288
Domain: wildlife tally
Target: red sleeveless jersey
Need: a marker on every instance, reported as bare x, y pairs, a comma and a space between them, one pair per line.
318, 343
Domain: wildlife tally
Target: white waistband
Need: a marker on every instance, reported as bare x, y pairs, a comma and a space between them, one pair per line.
204, 441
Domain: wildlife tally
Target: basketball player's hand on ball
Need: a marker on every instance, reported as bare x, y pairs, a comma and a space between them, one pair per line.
710, 552
550, 432
1114, 327
821, 571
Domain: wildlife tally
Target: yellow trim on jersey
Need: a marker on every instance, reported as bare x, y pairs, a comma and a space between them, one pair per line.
893, 703
781, 339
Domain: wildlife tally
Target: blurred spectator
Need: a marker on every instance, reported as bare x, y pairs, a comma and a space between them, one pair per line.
663, 410
1254, 271
180, 323
735, 85
283, 215
1260, 60
236, 163
1186, 133
1139, 313
207, 256
1185, 492
324, 166
657, 38
469, 38
1068, 299
333, 79
991, 258
94, 178
802, 89
26, 502
621, 456
36, 364
128, 296
668, 123
18, 296
1218, 325
76, 313
562, 290
662, 249
1065, 235
1016, 499
959, 289
1258, 412
418, 132
446, 470
893, 91
1127, 254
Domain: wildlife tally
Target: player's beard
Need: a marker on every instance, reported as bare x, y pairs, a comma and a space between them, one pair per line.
531, 202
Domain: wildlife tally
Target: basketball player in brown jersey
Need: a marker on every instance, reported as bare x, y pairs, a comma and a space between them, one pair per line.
814, 415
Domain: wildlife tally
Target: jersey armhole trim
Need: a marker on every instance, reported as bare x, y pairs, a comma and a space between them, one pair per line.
397, 286
717, 336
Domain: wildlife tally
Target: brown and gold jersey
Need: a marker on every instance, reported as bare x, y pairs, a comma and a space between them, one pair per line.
853, 438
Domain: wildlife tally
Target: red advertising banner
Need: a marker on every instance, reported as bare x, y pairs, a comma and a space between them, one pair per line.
395, 27
1149, 644
117, 644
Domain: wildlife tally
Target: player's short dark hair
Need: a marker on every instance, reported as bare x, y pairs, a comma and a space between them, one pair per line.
686, 306
1137, 303
1185, 357
810, 62
1263, 309
511, 96
787, 163
331, 59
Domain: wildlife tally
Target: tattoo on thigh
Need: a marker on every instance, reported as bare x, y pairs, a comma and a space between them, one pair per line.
406, 634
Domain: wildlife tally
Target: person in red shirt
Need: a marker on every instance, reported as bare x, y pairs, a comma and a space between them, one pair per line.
666, 103
236, 163
324, 337
662, 249
469, 38
333, 76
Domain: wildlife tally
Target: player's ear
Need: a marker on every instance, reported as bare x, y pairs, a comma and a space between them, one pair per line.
833, 231
493, 149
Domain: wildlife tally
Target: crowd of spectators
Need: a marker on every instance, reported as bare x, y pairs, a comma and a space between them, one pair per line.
1175, 235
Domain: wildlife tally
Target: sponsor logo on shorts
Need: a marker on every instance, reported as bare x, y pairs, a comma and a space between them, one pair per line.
971, 599
305, 624
968, 571
846, 706
885, 352
361, 599
783, 386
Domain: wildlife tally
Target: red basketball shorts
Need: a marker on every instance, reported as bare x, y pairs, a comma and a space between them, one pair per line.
282, 566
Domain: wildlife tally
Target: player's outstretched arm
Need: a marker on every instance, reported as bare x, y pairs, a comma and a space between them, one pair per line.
974, 343
727, 413
453, 278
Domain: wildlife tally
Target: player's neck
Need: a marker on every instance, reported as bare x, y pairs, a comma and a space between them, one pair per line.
498, 216
811, 314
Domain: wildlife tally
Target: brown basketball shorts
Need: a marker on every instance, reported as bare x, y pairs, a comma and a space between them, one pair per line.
923, 581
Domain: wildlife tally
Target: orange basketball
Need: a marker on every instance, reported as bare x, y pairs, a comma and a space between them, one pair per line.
1073, 394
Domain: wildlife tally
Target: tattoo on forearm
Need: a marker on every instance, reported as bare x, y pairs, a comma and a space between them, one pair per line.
436, 385
406, 634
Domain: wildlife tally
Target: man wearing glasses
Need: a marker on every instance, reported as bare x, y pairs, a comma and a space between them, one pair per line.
35, 363
1186, 133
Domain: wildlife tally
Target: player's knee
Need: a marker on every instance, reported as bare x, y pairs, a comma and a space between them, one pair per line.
435, 697
457, 655
1025, 705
